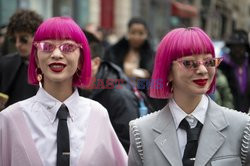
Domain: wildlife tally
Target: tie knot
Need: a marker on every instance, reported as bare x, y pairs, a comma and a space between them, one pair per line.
184, 124
63, 112
192, 133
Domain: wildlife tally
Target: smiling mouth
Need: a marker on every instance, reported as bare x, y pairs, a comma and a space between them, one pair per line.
200, 82
57, 67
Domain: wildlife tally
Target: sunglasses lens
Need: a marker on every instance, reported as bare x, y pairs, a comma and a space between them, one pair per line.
210, 63
68, 48
188, 64
46, 47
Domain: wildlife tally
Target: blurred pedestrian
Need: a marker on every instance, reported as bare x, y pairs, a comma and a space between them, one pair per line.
191, 129
13, 67
236, 68
222, 94
135, 56
112, 89
57, 126
133, 53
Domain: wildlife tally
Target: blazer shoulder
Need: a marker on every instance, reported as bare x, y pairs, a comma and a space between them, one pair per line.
234, 115
146, 120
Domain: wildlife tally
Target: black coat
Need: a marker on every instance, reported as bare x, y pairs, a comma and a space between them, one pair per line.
118, 52
120, 100
14, 79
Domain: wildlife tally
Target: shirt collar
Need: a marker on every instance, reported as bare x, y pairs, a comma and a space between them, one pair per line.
199, 112
52, 105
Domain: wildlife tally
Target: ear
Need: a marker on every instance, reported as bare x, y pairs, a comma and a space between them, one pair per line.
95, 63
170, 76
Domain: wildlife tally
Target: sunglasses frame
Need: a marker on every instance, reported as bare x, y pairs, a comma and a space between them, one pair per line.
199, 62
38, 46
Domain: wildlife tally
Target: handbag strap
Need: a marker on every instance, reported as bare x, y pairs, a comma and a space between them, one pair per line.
138, 141
245, 143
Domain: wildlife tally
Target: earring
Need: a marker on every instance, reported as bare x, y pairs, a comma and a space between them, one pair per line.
39, 77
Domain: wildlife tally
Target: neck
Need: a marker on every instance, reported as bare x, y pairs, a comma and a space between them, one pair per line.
134, 49
187, 102
60, 91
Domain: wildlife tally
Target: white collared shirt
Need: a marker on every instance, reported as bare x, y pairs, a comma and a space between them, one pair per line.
40, 115
178, 114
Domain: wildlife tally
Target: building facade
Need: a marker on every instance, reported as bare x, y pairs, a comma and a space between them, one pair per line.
217, 17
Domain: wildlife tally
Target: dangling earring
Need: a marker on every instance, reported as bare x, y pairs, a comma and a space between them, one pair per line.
39, 77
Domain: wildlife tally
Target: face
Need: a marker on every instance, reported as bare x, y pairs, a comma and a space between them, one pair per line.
137, 35
193, 75
95, 63
58, 60
238, 53
23, 43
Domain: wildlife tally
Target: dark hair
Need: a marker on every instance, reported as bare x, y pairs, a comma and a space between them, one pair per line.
96, 47
24, 21
137, 20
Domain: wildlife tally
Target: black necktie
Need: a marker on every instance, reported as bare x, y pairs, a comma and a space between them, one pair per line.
192, 142
63, 148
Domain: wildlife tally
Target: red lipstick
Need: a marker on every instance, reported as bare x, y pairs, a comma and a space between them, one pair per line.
57, 67
200, 82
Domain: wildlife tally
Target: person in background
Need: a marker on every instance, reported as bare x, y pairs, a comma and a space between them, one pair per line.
222, 94
133, 53
13, 67
191, 129
57, 126
236, 67
113, 90
99, 33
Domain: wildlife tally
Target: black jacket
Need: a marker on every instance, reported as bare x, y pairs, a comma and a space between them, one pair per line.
14, 79
120, 100
117, 53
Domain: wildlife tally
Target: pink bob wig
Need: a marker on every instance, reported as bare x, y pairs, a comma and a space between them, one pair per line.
178, 43
62, 28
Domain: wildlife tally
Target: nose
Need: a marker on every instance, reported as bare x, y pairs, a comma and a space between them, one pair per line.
56, 54
17, 43
201, 69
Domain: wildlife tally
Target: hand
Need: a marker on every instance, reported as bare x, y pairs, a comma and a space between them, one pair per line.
3, 100
140, 73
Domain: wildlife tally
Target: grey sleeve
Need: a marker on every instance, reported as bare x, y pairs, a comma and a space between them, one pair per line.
245, 146
135, 155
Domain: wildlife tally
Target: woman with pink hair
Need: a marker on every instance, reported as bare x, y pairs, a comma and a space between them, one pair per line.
57, 126
191, 129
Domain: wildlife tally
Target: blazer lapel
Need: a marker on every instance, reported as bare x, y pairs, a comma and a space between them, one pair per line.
211, 138
167, 140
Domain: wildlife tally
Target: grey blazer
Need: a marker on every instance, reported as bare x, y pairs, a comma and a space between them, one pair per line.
219, 143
